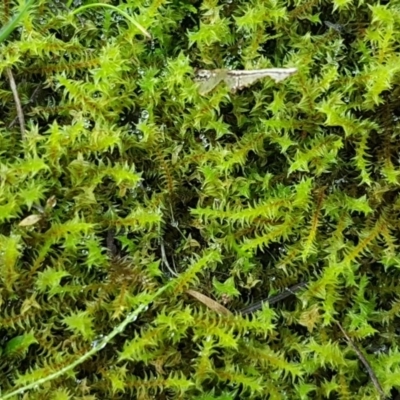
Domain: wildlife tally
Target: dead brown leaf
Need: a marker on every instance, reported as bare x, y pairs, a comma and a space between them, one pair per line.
210, 303
30, 220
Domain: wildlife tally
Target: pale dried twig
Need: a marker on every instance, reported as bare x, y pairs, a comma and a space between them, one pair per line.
238, 79
17, 102
31, 100
165, 259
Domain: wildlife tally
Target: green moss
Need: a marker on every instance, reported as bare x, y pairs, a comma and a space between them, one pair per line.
141, 189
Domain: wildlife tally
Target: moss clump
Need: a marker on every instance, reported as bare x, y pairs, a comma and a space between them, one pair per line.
125, 188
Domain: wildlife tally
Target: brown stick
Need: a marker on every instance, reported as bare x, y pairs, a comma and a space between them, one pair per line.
360, 355
31, 100
17, 102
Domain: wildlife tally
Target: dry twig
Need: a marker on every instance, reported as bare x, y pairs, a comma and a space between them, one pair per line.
17, 102
360, 355
31, 100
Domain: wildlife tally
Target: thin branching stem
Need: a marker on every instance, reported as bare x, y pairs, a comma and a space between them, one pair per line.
95, 349
360, 355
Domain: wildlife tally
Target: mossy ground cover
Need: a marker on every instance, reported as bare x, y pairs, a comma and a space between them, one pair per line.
124, 188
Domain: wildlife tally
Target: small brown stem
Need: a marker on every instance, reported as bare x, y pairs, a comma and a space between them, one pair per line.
17, 102
165, 259
31, 100
360, 355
